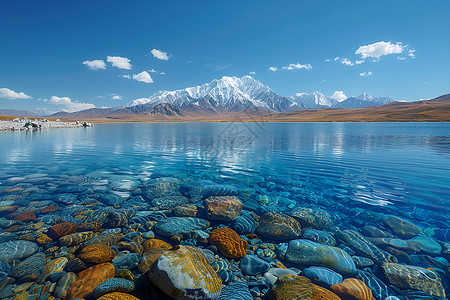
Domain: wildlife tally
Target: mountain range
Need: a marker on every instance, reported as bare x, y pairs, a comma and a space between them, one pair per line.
223, 96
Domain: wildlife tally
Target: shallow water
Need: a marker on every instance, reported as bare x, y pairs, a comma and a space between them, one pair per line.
303, 188
372, 165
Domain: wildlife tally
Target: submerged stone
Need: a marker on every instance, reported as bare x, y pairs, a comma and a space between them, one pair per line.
184, 273
352, 288
253, 265
322, 276
237, 290
292, 287
416, 278
279, 227
305, 252
223, 208
312, 217
89, 279
228, 242
176, 225
18, 249
113, 285
400, 227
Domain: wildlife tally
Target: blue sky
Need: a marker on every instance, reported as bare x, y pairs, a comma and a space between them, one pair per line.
44, 45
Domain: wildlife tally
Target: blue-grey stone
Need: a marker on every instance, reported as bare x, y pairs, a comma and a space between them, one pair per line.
113, 285
5, 268
29, 268
319, 236
237, 290
429, 245
253, 265
128, 261
18, 249
169, 202
176, 225
244, 224
7, 237
322, 276
56, 276
379, 289
305, 252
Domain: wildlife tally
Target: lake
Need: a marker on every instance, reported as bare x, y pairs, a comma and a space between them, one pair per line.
385, 180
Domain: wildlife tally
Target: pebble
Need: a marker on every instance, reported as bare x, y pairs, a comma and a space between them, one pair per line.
253, 265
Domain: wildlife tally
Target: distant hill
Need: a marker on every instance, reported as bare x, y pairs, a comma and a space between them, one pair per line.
15, 112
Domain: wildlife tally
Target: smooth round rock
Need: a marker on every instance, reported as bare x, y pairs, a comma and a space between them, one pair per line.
253, 265
237, 290
64, 284
17, 249
322, 276
30, 268
113, 285
184, 273
5, 268
400, 227
89, 279
305, 252
129, 261
97, 253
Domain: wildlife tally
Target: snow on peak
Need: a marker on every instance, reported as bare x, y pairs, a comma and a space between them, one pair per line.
225, 90
365, 97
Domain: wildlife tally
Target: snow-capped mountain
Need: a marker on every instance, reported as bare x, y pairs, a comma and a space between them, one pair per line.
314, 100
363, 100
223, 93
365, 97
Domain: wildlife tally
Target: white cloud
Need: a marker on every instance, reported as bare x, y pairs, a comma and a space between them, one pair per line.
252, 72
339, 96
366, 74
273, 69
162, 73
347, 62
358, 62
70, 106
152, 71
11, 95
95, 64
376, 50
115, 97
401, 58
336, 58
297, 66
411, 53
323, 81
143, 77
327, 59
119, 62
126, 76
160, 54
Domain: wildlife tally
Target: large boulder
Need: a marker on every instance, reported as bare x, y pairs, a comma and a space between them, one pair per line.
184, 273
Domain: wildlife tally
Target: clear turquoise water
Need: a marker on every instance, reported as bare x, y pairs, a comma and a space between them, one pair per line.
401, 167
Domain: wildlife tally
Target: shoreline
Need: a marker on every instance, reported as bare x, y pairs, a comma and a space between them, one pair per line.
32, 124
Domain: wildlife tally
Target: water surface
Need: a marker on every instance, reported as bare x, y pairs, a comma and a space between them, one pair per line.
403, 167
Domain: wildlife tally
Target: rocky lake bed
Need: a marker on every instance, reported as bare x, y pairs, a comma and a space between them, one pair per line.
196, 236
